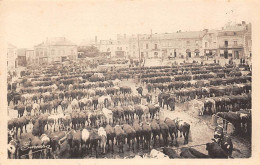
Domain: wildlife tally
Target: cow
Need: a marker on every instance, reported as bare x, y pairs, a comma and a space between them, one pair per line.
130, 135
110, 136
103, 136
120, 137
215, 150
146, 134
155, 130
184, 129
173, 130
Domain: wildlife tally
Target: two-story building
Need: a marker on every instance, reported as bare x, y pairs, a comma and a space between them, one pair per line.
55, 50
210, 43
234, 41
30, 58
21, 57
114, 48
177, 45
11, 57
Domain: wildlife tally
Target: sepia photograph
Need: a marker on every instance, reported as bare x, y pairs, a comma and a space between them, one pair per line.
128, 79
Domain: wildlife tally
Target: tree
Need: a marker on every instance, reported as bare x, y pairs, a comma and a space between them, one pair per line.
89, 51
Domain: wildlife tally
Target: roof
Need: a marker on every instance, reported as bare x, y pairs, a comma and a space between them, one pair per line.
57, 41
11, 46
182, 35
178, 35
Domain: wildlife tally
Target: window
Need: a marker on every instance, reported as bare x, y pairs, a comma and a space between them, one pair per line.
226, 43
156, 54
197, 43
155, 46
147, 46
235, 33
235, 43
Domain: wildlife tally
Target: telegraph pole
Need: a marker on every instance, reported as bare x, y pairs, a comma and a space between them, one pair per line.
139, 56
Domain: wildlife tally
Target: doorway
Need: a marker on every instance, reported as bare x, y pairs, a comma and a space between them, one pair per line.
226, 54
188, 53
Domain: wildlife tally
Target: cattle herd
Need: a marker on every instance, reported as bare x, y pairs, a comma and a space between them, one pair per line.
73, 110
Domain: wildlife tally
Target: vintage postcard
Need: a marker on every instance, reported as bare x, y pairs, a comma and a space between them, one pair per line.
142, 81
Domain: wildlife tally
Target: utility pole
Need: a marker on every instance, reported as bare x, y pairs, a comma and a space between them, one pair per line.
139, 56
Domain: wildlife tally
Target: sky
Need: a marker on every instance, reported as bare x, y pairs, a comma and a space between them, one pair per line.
28, 23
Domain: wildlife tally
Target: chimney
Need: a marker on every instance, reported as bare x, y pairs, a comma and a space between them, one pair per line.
243, 22
206, 30
222, 28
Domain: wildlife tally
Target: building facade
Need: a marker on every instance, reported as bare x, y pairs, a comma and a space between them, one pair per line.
210, 43
176, 45
30, 58
55, 50
21, 57
232, 41
11, 57
114, 48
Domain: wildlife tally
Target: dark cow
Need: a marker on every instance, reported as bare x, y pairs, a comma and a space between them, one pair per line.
184, 129
155, 128
171, 103
138, 130
153, 110
130, 135
147, 131
164, 129
170, 152
192, 153
110, 136
215, 150
120, 137
173, 130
